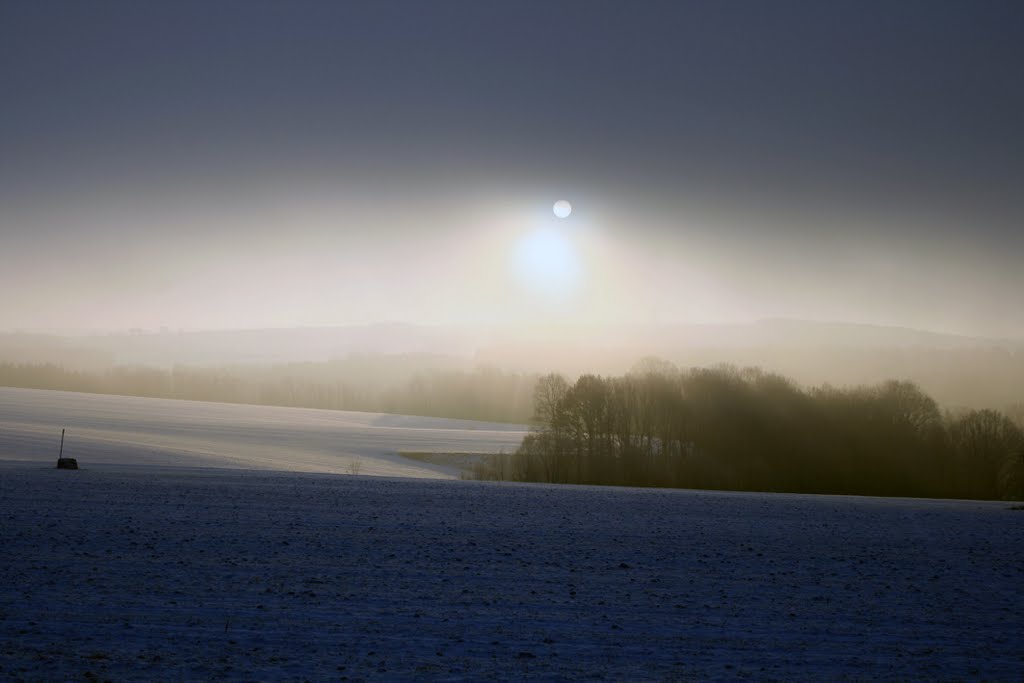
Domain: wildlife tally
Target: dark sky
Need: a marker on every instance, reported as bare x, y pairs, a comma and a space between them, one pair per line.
881, 124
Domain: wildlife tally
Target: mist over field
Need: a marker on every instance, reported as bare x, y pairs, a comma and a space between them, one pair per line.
959, 371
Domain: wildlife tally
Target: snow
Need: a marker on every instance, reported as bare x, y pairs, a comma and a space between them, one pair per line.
176, 573
145, 431
205, 540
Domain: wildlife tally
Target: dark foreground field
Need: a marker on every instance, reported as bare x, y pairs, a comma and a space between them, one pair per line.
169, 574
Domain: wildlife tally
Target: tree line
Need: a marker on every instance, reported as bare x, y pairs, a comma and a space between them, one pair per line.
751, 430
401, 387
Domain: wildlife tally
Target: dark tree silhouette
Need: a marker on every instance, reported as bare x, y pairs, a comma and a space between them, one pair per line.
752, 430
988, 449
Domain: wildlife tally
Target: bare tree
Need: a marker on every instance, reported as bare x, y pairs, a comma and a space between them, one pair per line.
988, 446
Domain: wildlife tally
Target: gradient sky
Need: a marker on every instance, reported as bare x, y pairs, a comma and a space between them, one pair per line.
247, 164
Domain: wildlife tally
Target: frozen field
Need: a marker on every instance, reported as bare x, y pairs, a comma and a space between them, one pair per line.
122, 430
153, 573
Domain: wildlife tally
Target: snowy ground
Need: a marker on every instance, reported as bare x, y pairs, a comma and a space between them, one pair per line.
146, 431
151, 573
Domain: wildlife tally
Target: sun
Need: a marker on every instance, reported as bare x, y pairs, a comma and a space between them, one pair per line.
562, 208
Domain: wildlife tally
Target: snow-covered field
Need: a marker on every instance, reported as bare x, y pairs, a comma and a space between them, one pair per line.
197, 543
162, 573
147, 431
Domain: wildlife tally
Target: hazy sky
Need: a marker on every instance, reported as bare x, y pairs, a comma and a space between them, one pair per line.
244, 164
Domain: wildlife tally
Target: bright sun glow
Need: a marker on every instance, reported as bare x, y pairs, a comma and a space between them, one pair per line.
562, 208
545, 261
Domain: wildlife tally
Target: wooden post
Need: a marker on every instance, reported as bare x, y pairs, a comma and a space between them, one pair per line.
62, 462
